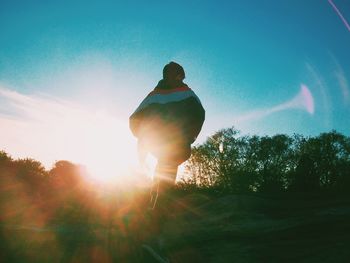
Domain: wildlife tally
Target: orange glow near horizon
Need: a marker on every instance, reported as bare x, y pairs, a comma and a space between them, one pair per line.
48, 130
105, 146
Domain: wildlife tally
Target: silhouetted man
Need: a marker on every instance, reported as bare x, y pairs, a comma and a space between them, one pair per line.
166, 123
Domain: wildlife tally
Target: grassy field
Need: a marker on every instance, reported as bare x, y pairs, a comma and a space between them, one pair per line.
105, 227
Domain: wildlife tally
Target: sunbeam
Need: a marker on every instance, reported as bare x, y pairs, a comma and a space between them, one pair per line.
58, 129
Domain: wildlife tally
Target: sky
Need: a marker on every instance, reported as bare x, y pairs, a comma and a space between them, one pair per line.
72, 72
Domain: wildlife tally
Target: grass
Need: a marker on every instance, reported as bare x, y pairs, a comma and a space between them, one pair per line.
110, 227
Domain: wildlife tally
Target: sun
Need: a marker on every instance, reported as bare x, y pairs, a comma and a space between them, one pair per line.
49, 129
105, 146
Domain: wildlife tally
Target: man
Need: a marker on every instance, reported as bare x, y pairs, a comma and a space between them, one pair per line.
166, 123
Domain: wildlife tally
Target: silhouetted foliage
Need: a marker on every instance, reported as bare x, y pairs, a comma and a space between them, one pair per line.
270, 164
32, 173
4, 157
225, 162
65, 174
61, 215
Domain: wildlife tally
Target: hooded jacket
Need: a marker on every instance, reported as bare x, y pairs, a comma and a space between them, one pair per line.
170, 114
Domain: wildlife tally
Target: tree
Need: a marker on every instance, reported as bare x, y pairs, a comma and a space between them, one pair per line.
65, 174
31, 174
4, 157
271, 163
212, 163
274, 155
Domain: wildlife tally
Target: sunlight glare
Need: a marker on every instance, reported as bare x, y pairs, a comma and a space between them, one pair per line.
48, 130
106, 147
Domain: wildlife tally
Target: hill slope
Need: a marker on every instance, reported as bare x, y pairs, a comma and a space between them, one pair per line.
240, 228
196, 228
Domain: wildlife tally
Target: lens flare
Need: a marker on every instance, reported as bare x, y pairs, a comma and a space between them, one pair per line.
303, 101
49, 130
308, 99
339, 14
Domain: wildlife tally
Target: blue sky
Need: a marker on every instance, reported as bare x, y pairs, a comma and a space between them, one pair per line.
240, 57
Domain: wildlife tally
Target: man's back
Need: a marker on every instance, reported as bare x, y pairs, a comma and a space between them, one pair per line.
168, 115
166, 123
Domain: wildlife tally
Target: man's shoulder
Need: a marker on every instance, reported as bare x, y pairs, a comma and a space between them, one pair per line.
159, 91
163, 97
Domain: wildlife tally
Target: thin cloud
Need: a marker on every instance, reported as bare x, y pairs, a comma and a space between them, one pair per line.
50, 129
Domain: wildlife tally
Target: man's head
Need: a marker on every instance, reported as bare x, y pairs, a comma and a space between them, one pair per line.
173, 71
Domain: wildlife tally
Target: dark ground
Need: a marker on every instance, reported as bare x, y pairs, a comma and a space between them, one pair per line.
197, 228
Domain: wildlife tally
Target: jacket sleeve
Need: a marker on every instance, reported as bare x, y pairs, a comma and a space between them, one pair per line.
134, 123
195, 120
198, 124
135, 120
